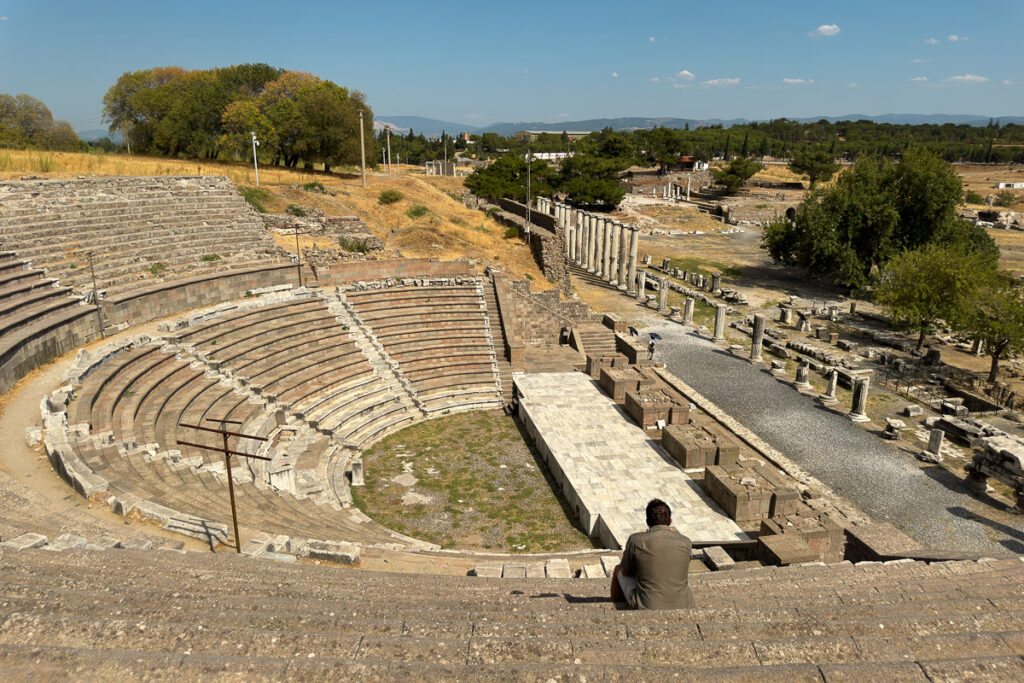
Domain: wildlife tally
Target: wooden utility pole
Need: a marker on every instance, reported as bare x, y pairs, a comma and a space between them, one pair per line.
227, 460
298, 250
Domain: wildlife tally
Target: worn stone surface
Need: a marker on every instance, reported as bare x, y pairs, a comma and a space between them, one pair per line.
608, 468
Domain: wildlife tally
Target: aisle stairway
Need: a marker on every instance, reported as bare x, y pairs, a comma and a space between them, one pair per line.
99, 614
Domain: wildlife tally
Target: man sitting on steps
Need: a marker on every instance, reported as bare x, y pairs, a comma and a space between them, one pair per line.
655, 565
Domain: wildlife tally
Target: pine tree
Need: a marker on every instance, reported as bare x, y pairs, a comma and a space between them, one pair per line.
746, 139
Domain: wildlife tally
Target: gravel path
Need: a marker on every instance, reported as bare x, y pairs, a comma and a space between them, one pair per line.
889, 486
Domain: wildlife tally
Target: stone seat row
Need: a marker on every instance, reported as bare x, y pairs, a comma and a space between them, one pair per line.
223, 616
161, 214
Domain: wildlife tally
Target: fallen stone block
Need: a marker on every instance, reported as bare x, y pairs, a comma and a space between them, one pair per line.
491, 570
103, 543
66, 542
718, 558
592, 571
33, 436
912, 410
341, 552
557, 569
138, 544
24, 542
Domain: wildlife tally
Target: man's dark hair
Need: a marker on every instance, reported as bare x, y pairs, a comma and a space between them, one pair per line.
658, 512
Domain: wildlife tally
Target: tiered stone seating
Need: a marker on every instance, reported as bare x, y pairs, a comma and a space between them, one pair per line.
140, 397
440, 339
299, 355
120, 614
131, 225
31, 304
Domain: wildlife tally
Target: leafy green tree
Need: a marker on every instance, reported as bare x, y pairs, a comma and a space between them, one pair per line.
506, 178
872, 212
736, 173
921, 286
815, 164
26, 122
591, 180
997, 317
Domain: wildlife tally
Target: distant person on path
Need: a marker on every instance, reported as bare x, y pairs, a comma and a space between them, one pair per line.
650, 350
655, 567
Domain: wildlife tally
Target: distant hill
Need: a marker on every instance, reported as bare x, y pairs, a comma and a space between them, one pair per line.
433, 127
98, 134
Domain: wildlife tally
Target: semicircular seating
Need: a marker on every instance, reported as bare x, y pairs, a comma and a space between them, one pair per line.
440, 338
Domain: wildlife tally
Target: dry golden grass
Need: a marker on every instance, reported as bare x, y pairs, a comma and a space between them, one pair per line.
448, 229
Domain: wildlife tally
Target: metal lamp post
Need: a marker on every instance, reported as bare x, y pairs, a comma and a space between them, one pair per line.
255, 165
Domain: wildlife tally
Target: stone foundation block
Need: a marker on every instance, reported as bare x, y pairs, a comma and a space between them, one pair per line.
785, 549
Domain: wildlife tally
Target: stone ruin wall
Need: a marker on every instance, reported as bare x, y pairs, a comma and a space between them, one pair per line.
540, 316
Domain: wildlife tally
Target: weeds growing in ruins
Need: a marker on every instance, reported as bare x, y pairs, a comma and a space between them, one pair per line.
295, 210
157, 268
389, 197
357, 246
313, 187
511, 232
209, 258
44, 163
256, 197
417, 211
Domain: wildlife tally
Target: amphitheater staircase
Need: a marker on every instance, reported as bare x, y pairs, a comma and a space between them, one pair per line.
498, 337
374, 352
594, 340
131, 613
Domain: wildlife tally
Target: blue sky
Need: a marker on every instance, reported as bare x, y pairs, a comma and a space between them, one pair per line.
481, 62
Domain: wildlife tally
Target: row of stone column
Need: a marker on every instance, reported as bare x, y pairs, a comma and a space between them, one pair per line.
599, 244
544, 205
674, 191
860, 384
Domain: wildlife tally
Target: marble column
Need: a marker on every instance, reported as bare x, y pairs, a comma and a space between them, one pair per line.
623, 255
858, 412
634, 242
802, 371
716, 282
587, 228
641, 287
602, 229
688, 310
579, 238
592, 253
758, 338
613, 273
606, 267
786, 316
830, 391
719, 334
663, 295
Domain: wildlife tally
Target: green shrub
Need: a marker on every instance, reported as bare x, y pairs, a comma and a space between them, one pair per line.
157, 268
256, 197
352, 245
389, 197
458, 221
973, 197
492, 212
209, 258
511, 232
417, 211
1005, 198
295, 210
313, 187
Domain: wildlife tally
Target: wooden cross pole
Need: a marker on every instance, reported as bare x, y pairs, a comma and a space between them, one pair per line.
227, 460
298, 250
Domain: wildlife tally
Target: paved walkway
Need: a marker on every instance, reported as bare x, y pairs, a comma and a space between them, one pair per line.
925, 501
607, 466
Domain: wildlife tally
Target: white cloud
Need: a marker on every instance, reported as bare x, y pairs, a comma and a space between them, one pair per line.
4, 19
655, 79
615, 74
651, 39
853, 85
920, 79
954, 38
931, 41
967, 78
824, 31
684, 75
721, 81
798, 81
920, 60
1007, 82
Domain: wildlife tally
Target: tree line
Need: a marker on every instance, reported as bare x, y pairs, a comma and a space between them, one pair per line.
27, 123
780, 138
210, 113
